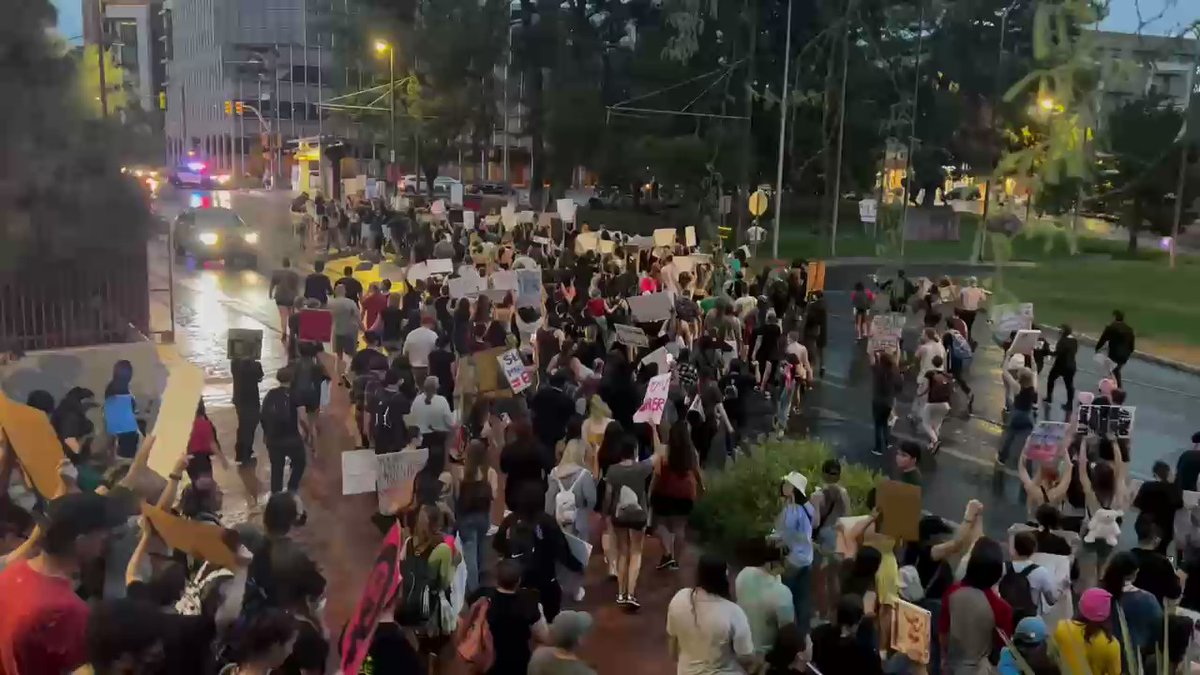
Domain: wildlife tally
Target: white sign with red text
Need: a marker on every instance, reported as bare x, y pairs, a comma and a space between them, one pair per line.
656, 399
515, 371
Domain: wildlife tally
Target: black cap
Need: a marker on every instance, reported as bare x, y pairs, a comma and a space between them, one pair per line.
81, 513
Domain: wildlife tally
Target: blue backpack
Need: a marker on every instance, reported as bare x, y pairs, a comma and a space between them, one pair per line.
960, 349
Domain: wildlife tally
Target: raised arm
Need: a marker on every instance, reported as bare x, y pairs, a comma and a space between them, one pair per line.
1085, 480
969, 530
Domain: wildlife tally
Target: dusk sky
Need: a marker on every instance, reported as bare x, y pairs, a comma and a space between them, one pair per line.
1122, 16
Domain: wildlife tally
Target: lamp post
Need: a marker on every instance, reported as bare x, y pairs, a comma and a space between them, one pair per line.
382, 46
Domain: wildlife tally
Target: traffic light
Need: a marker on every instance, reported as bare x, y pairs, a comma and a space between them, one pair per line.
228, 107
240, 107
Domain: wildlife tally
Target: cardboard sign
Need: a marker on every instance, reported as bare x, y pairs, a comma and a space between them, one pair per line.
816, 277
1059, 567
886, 330
1045, 442
664, 236
652, 406
316, 325
661, 358
529, 288
196, 538
912, 631
643, 242
468, 219
505, 280
1106, 421
508, 217
545, 221
525, 217
632, 336
900, 506
1025, 342
1009, 318
607, 247
394, 474
846, 545
35, 443
383, 581
173, 426
515, 371
650, 307
689, 235
358, 472
566, 210
586, 241
684, 263
244, 343
868, 210
466, 287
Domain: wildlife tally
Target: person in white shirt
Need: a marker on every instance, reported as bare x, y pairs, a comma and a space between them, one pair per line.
431, 411
969, 299
796, 347
1046, 590
930, 347
418, 346
707, 633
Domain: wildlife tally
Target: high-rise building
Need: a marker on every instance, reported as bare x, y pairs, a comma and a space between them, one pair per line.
132, 30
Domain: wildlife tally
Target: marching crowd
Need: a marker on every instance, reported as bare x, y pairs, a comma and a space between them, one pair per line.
575, 461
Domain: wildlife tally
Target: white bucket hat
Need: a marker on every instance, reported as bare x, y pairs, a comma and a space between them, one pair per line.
798, 481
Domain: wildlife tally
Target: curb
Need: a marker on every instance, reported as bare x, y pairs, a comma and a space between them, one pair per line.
1138, 354
852, 261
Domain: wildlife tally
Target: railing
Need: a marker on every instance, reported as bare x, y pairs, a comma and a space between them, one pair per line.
93, 301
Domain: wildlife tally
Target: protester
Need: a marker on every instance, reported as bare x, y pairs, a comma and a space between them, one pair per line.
354, 289
120, 411
628, 515
706, 631
794, 527
1020, 414
561, 656
572, 491
1087, 640
761, 595
203, 446
674, 489
515, 618
284, 289
1160, 499
886, 383
1119, 338
284, 432
848, 645
534, 538
973, 614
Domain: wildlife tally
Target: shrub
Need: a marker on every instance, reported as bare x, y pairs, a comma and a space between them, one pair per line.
743, 500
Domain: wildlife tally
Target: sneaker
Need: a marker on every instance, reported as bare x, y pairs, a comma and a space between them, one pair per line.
622, 599
674, 564
492, 530
632, 603
665, 563
579, 594
876, 451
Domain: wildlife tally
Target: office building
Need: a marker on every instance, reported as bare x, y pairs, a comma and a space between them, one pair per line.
1144, 64
134, 33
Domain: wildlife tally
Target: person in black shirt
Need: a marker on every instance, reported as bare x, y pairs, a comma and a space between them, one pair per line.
281, 432
368, 368
262, 644
515, 618
1065, 351
1156, 574
551, 409
353, 286
390, 650
247, 374
535, 540
316, 285
1119, 338
1160, 499
849, 645
1187, 469
1048, 542
441, 366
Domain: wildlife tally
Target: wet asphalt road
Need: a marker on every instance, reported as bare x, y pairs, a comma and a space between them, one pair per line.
209, 301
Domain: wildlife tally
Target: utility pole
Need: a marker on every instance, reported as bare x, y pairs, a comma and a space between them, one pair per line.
100, 58
837, 176
1184, 133
981, 233
783, 111
912, 132
507, 67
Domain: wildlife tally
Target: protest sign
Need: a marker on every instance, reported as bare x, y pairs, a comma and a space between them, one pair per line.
689, 235
1059, 567
886, 330
1106, 421
659, 357
652, 406
35, 443
632, 336
173, 426
900, 506
440, 266
316, 325
529, 288
702, 258
912, 631
515, 371
641, 242
1025, 341
358, 471
566, 210
466, 287
244, 343
1009, 318
1046, 441
394, 474
664, 236
684, 263
545, 222
456, 194
650, 307
468, 219
488, 376
586, 241
543, 241
816, 277
525, 217
868, 210
508, 217
607, 246
496, 295
438, 208
382, 584
504, 280
196, 538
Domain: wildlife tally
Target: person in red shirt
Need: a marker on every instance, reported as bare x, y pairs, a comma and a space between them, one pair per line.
973, 615
372, 306
203, 446
43, 626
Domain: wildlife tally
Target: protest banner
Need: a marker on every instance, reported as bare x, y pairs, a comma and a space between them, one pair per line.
664, 236
684, 263
243, 343
631, 336
529, 288
607, 246
650, 307
652, 406
566, 209
659, 357
173, 426
515, 371
886, 331
586, 241
1106, 421
1025, 341
504, 280
912, 631
316, 325
642, 242
196, 538
900, 506
358, 471
382, 584
394, 474
35, 443
689, 235
1045, 442
440, 266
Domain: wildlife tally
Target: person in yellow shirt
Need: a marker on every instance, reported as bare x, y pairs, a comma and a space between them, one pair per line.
1087, 636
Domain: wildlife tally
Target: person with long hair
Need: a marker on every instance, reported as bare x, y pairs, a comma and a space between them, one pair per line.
120, 411
794, 527
607, 454
1020, 414
1142, 612
973, 615
628, 515
476, 489
850, 644
1105, 488
427, 547
573, 477
523, 460
706, 631
1086, 643
677, 483
886, 384
263, 643
1051, 485
203, 446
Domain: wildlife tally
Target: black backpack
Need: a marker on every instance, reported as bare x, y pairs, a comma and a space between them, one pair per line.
418, 600
1016, 590
524, 537
277, 414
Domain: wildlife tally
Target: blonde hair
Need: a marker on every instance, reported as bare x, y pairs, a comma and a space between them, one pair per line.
1025, 377
597, 405
573, 453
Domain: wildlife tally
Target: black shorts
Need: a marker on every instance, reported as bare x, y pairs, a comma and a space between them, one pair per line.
860, 311
665, 506
629, 523
285, 302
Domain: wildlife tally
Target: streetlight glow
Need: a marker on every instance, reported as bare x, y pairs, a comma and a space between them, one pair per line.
1046, 103
382, 46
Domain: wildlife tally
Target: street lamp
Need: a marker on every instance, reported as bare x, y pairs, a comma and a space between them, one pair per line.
382, 46
1046, 103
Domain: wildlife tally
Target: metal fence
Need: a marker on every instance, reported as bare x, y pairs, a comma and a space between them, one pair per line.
84, 302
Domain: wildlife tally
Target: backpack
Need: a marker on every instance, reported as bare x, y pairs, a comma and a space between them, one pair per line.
940, 387
474, 638
523, 540
960, 348
277, 411
417, 597
1016, 590
629, 509
565, 507
862, 301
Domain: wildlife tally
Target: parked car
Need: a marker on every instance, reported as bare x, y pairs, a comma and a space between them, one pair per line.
408, 183
215, 234
491, 188
442, 184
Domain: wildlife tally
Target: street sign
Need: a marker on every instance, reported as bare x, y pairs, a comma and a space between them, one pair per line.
758, 203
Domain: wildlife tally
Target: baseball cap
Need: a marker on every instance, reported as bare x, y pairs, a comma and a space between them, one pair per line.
1030, 631
569, 627
1095, 604
81, 513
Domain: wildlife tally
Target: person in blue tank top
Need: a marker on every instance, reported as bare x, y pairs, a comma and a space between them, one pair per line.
120, 418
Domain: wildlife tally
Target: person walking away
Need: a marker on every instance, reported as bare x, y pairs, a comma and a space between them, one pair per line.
431, 414
373, 303
515, 619
1160, 499
282, 432
1065, 352
830, 503
628, 514
970, 299
765, 348
677, 483
572, 491
391, 325
561, 655
345, 328
477, 488
120, 411
794, 527
368, 369
761, 595
1187, 468
816, 331
316, 285
1119, 338
1086, 643
1156, 573
533, 538
426, 571
203, 446
886, 384
265, 642
284, 289
959, 355
929, 348
247, 374
706, 631
862, 300
418, 345
1029, 641
1020, 417
900, 290
308, 378
1028, 588
1141, 633
973, 615
936, 388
